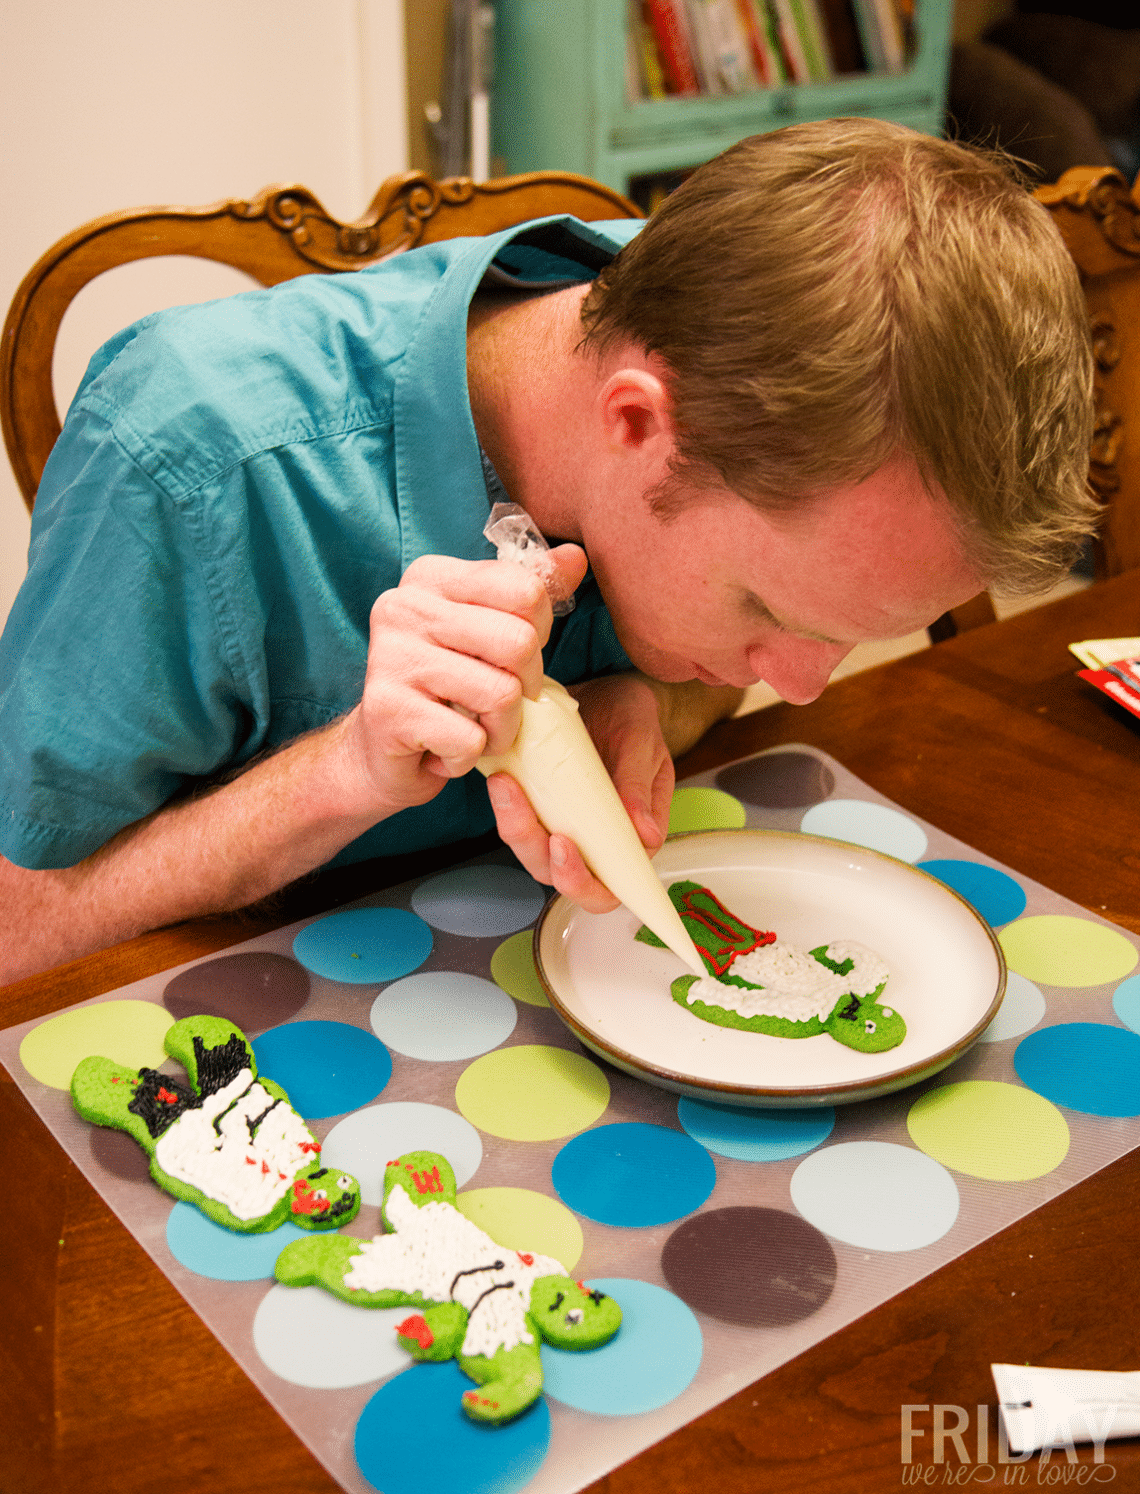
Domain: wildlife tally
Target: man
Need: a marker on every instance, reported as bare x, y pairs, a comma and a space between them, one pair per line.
837, 385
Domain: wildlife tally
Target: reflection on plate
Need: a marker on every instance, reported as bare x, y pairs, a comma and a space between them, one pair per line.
947, 971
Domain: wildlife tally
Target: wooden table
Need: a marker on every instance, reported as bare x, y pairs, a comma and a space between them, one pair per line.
109, 1382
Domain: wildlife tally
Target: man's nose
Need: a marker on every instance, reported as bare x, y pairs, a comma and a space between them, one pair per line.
796, 668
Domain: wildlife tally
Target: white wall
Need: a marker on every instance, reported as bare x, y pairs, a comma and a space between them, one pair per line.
135, 102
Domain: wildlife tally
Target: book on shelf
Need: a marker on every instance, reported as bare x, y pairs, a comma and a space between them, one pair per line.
882, 35
764, 64
644, 78
668, 22
791, 42
722, 46
702, 48
808, 20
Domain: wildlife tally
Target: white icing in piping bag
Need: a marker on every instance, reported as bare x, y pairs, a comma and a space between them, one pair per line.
558, 768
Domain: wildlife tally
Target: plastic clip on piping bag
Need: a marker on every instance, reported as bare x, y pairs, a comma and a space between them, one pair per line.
559, 770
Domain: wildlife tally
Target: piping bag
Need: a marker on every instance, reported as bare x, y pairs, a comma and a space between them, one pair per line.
558, 768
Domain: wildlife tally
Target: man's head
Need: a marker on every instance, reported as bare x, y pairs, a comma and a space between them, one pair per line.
828, 297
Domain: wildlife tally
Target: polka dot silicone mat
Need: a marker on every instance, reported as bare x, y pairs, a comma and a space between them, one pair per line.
733, 1239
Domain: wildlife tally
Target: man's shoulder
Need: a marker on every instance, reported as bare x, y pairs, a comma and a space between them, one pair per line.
311, 358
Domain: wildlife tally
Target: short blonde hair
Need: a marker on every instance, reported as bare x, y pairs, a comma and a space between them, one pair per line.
833, 293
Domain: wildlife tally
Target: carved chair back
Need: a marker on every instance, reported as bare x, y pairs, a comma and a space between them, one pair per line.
1099, 219
283, 232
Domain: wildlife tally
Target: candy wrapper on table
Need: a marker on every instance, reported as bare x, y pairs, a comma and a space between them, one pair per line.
1113, 666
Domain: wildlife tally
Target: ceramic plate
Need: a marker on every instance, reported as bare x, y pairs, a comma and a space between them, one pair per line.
947, 971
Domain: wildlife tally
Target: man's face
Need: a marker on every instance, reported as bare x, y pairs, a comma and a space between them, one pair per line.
725, 594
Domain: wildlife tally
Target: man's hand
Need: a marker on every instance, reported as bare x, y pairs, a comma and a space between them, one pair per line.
452, 651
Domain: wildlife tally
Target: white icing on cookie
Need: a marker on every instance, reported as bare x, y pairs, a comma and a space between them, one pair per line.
439, 1253
790, 983
868, 970
248, 1174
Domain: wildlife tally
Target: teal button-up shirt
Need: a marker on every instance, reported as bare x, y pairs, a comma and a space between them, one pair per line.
235, 484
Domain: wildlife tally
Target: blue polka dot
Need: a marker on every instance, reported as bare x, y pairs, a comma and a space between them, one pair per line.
755, 1135
413, 1436
633, 1174
480, 901
654, 1357
996, 896
209, 1250
1126, 1002
326, 1068
362, 946
1085, 1066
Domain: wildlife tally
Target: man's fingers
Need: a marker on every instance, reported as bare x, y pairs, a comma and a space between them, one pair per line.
572, 877
570, 566
551, 859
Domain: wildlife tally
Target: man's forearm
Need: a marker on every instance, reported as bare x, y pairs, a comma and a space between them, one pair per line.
218, 852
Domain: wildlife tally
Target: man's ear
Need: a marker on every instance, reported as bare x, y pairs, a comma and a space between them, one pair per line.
636, 411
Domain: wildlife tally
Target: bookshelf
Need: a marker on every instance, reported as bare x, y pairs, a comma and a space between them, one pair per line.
561, 102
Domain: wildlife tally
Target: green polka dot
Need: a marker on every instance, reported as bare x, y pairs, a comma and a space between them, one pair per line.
523, 1220
129, 1032
705, 809
532, 1093
989, 1130
1063, 951
512, 968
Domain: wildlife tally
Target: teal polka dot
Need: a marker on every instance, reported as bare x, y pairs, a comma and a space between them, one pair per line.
755, 1135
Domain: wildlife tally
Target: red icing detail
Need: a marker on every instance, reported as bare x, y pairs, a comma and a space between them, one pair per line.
264, 1169
305, 1200
251, 1161
527, 1259
165, 1096
416, 1327
395, 1162
311, 1146
721, 959
115, 1079
427, 1182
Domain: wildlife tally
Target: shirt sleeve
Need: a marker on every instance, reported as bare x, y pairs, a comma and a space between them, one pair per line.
116, 685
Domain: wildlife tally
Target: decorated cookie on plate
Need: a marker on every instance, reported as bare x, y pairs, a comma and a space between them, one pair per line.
759, 983
480, 1303
224, 1139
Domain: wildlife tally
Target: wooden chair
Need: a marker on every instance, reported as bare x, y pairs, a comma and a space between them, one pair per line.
283, 232
1099, 219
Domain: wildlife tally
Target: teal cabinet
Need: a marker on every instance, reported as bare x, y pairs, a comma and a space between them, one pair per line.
560, 100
